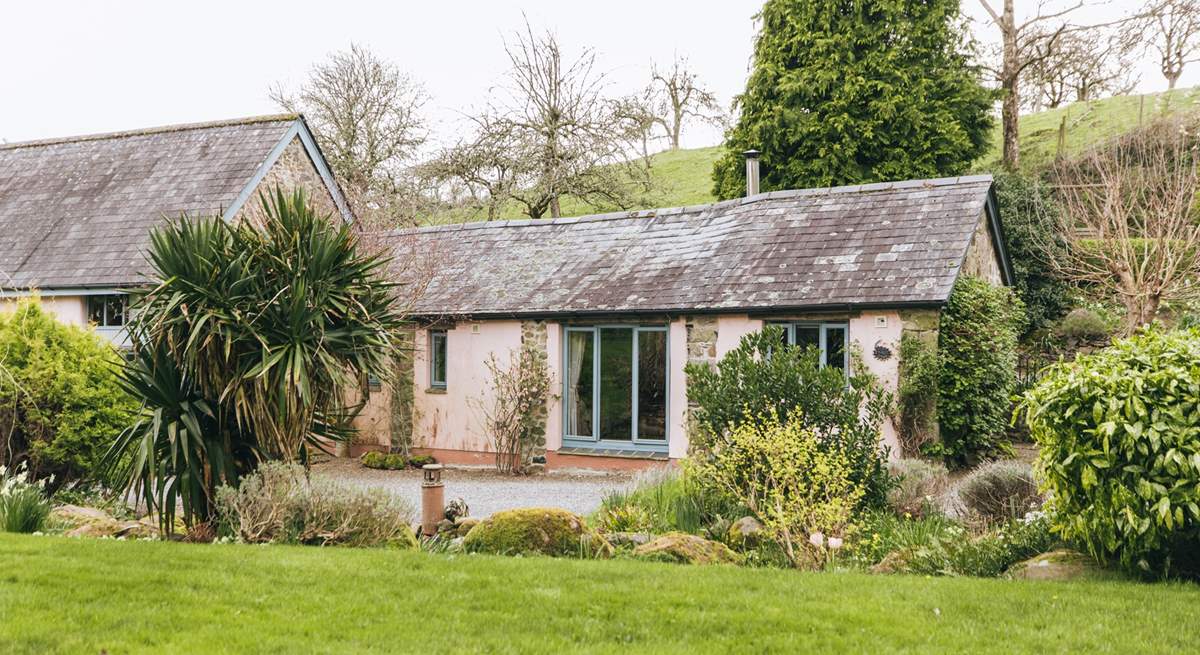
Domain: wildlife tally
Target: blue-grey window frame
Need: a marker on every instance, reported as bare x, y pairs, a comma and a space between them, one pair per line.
823, 328
594, 441
434, 383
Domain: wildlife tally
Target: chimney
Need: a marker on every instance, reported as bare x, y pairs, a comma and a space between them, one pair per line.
751, 172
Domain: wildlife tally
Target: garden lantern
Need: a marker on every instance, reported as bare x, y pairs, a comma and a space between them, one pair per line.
433, 494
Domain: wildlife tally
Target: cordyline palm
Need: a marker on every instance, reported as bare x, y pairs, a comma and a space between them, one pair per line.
250, 346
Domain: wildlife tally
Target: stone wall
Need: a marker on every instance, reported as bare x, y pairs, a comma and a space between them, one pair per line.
981, 260
533, 336
922, 324
293, 170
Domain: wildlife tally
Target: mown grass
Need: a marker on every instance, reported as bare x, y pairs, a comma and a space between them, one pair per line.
89, 596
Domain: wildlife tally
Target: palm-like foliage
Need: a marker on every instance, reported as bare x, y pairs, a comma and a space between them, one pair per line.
250, 346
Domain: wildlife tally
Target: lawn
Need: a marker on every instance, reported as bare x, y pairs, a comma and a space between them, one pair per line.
81, 596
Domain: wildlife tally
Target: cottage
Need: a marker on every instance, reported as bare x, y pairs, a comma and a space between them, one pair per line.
621, 302
618, 303
76, 213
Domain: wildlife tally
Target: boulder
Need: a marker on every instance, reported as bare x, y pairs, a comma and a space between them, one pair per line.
456, 509
74, 516
445, 525
533, 531
405, 539
628, 538
686, 549
463, 525
745, 532
897, 561
1058, 565
113, 528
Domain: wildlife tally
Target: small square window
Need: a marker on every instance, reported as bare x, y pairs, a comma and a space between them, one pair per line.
107, 310
437, 358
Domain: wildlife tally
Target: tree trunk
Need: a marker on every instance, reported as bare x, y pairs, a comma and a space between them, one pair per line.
1172, 78
1010, 72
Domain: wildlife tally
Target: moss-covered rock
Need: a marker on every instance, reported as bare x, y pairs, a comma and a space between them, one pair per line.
74, 516
686, 549
538, 530
745, 533
1059, 565
464, 524
404, 540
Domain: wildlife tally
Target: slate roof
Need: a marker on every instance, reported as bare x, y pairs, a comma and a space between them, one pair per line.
77, 212
890, 244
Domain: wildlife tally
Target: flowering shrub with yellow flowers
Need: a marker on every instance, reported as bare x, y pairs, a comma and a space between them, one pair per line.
801, 492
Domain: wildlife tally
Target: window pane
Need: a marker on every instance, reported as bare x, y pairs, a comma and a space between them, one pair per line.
652, 385
579, 383
96, 310
114, 309
437, 349
616, 382
808, 337
835, 347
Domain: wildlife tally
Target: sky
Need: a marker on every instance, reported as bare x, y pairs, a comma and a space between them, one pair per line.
70, 68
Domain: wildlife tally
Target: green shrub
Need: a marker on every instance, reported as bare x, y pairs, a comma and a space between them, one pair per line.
1119, 432
534, 531
799, 489
1083, 324
760, 378
918, 483
1000, 490
23, 504
417, 461
1027, 206
60, 402
279, 504
673, 503
977, 344
389, 461
920, 369
936, 545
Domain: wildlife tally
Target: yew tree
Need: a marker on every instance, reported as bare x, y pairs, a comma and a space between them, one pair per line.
847, 92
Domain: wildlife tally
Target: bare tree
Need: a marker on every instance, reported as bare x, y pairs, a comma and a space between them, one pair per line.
1173, 29
367, 118
552, 132
482, 170
677, 98
1127, 219
1024, 44
1083, 65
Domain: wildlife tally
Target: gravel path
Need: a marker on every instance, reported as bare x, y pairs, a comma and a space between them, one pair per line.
486, 491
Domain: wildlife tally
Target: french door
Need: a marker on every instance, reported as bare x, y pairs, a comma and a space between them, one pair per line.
615, 386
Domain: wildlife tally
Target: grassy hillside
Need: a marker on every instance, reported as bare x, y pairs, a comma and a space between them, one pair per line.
684, 177
1087, 123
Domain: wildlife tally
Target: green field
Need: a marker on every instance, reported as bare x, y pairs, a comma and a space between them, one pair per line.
61, 595
684, 177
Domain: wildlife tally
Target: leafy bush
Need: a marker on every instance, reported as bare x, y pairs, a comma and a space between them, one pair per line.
23, 503
920, 369
1027, 203
936, 545
1119, 432
1083, 324
60, 403
417, 461
796, 487
759, 378
279, 504
1000, 490
388, 461
918, 483
535, 531
977, 344
284, 318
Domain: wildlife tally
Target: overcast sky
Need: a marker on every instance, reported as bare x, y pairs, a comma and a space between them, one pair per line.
81, 67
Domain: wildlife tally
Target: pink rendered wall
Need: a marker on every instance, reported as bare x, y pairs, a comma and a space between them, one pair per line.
452, 420
67, 309
880, 328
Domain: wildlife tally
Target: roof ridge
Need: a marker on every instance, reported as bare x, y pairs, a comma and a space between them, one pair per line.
695, 209
177, 127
